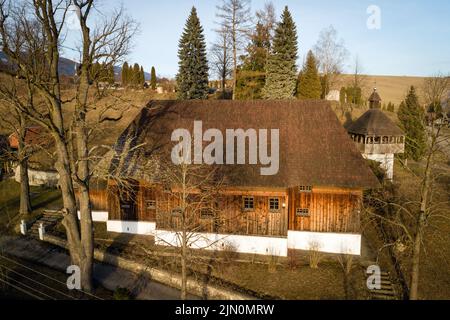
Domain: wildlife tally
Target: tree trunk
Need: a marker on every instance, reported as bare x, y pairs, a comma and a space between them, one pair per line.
25, 202
184, 269
415, 270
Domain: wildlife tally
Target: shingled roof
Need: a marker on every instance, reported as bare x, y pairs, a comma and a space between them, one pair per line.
375, 123
314, 147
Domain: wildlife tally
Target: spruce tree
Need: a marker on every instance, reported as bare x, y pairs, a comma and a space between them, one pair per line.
141, 77
281, 77
136, 75
412, 119
192, 77
153, 79
309, 86
111, 75
125, 73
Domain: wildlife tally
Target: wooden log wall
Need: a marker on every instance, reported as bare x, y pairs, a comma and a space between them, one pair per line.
333, 211
227, 216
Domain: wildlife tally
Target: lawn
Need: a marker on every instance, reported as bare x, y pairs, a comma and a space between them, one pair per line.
41, 198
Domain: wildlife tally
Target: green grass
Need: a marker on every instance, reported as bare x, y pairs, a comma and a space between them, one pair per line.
41, 198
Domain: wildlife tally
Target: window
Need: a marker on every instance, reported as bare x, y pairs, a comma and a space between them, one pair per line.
150, 204
274, 205
206, 213
302, 212
305, 189
248, 203
177, 212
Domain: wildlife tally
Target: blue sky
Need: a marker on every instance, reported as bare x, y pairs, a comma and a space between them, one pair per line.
414, 38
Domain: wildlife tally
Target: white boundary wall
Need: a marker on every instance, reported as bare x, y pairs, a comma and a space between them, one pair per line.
131, 227
98, 216
242, 244
339, 243
386, 160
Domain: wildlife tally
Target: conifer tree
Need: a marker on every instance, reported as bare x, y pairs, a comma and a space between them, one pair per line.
135, 75
153, 79
111, 75
125, 72
281, 77
141, 77
309, 86
192, 77
412, 119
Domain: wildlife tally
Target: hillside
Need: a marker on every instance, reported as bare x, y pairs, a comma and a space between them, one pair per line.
391, 88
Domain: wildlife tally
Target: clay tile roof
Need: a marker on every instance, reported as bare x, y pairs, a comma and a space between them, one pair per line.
34, 136
314, 147
375, 123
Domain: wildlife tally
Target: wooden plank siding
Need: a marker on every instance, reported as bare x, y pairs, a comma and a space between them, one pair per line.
229, 217
328, 212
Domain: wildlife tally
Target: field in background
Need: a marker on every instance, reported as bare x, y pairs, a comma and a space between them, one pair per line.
391, 88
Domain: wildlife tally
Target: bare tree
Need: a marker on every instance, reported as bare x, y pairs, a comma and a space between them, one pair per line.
31, 36
221, 58
435, 90
191, 191
234, 16
16, 122
268, 19
331, 53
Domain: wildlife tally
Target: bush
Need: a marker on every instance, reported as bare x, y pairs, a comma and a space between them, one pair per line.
314, 255
122, 294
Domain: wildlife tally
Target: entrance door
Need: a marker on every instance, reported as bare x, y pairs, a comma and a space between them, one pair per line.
128, 210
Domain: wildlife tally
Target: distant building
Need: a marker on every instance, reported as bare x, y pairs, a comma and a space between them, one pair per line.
334, 95
377, 137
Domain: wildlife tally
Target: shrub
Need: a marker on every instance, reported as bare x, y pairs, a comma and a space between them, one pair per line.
314, 255
122, 294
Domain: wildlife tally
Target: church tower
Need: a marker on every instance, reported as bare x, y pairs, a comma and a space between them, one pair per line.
377, 137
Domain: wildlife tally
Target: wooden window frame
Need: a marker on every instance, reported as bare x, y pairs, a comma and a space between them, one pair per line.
245, 202
207, 214
305, 189
302, 213
176, 212
278, 206
151, 204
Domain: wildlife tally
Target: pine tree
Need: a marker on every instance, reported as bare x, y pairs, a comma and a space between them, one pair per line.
125, 73
342, 95
111, 75
153, 79
309, 86
136, 75
141, 77
281, 77
192, 77
412, 119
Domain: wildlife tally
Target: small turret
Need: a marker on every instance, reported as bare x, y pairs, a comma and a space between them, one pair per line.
375, 100
377, 137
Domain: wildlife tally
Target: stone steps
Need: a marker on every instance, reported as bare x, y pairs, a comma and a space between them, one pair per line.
387, 291
49, 219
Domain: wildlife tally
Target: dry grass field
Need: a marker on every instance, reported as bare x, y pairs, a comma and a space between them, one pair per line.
392, 89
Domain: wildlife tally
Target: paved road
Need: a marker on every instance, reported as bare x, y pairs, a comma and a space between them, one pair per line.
108, 276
